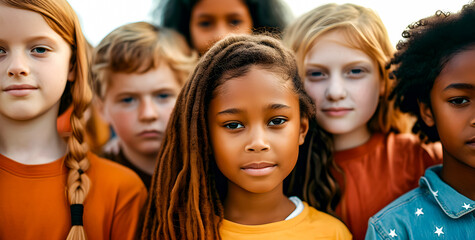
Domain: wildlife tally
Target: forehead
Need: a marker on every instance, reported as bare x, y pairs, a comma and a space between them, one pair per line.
156, 78
459, 69
219, 7
256, 83
334, 45
19, 24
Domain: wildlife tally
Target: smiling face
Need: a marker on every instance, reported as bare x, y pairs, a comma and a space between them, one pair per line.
453, 108
255, 130
138, 107
211, 20
34, 65
345, 84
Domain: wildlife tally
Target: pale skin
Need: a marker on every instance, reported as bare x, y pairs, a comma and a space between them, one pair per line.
346, 85
33, 55
138, 107
255, 120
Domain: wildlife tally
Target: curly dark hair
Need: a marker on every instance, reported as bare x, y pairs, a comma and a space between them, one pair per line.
427, 46
185, 200
267, 15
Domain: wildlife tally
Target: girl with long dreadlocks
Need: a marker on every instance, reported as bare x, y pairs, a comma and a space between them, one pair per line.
239, 123
47, 184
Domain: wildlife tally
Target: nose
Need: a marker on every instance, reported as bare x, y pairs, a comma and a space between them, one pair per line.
18, 65
222, 30
148, 110
336, 89
258, 141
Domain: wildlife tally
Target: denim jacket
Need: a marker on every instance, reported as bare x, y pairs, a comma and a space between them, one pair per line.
434, 210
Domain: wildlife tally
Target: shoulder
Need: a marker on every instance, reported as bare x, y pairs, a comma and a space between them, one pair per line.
327, 224
399, 215
113, 174
410, 144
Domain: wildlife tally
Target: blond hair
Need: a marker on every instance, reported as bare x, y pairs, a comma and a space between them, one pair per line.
137, 48
364, 31
59, 15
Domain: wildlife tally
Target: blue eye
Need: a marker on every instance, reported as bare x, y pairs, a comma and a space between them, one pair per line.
315, 75
127, 99
234, 125
277, 121
356, 71
458, 101
2, 51
40, 50
163, 95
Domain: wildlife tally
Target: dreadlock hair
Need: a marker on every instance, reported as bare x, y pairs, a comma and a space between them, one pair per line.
59, 15
185, 200
427, 46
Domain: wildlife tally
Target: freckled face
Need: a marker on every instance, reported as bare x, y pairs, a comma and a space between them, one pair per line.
34, 65
344, 82
138, 107
453, 108
211, 20
255, 130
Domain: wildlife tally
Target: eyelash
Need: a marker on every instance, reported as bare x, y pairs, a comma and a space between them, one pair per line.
271, 123
454, 101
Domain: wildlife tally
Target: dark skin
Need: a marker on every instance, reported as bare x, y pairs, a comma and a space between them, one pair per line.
256, 129
452, 111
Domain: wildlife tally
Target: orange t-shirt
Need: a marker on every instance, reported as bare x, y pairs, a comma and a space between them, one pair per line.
33, 202
378, 172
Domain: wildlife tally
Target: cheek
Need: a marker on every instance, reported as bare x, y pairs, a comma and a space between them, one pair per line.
315, 91
123, 122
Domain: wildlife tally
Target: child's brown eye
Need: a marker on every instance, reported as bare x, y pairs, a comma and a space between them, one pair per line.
277, 121
233, 125
458, 101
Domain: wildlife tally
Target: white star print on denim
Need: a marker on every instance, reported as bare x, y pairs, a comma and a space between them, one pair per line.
434, 210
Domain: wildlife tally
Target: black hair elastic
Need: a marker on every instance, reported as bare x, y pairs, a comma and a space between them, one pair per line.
80, 171
77, 211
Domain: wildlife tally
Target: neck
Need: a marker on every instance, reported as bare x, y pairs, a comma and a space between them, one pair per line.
34, 141
458, 175
351, 139
144, 162
244, 207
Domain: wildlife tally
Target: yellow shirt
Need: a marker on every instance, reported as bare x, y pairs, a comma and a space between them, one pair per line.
309, 224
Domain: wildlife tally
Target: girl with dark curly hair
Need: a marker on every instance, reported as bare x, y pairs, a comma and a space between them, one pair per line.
435, 74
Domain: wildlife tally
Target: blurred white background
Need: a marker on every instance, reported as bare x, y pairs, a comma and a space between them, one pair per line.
99, 17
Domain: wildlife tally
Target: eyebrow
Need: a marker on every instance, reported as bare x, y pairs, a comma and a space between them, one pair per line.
459, 86
275, 106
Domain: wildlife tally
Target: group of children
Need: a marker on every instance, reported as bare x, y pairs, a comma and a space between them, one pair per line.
305, 134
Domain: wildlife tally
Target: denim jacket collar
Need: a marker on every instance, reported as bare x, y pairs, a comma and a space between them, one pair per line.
454, 204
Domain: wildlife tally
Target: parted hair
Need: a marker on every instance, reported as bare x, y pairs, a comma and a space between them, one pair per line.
185, 200
59, 15
137, 48
427, 46
364, 31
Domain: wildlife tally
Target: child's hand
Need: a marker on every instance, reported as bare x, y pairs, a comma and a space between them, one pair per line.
112, 146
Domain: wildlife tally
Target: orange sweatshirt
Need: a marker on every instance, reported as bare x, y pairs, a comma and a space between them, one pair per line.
34, 205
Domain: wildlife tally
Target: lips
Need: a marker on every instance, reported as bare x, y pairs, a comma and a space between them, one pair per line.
336, 111
151, 134
471, 141
259, 169
20, 90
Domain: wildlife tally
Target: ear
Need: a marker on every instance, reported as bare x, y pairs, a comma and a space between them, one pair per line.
304, 125
382, 88
99, 105
72, 73
426, 114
